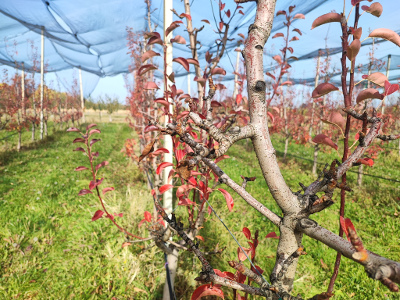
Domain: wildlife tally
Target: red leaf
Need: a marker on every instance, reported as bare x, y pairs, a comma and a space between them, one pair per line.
228, 13
178, 39
91, 126
323, 139
102, 164
146, 68
375, 9
94, 141
171, 27
390, 88
218, 71
79, 149
272, 235
126, 244
183, 189
221, 158
215, 104
353, 49
78, 140
141, 223
323, 89
193, 61
270, 75
221, 25
81, 168
246, 232
84, 192
159, 151
147, 216
205, 21
150, 128
366, 161
271, 116
162, 166
73, 129
299, 16
281, 12
185, 202
279, 34
238, 99
182, 114
97, 215
107, 189
207, 290
337, 118
241, 255
151, 86
165, 188
228, 198
186, 16
149, 54
200, 237
277, 58
94, 131
327, 18
377, 78
344, 227
386, 34
192, 181
183, 62
368, 93
162, 101
298, 31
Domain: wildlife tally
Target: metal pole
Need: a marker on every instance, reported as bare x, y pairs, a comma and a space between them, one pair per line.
82, 102
387, 75
41, 83
172, 259
167, 196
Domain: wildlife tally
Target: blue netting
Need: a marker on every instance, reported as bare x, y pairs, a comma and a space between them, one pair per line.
92, 34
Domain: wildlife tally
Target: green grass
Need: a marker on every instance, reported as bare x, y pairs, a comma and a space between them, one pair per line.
373, 209
50, 249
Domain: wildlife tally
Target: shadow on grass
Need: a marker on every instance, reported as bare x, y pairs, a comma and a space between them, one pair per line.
9, 156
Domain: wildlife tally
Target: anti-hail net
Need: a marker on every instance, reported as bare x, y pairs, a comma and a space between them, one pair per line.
92, 35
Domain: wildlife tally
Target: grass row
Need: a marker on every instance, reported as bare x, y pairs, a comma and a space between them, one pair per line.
50, 249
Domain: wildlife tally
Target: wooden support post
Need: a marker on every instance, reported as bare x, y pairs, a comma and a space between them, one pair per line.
41, 83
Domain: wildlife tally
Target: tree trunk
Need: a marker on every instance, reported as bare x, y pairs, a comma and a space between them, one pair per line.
45, 127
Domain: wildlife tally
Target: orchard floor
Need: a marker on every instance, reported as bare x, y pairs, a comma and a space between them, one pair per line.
50, 248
